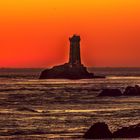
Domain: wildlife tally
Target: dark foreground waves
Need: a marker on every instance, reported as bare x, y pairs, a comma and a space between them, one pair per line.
62, 108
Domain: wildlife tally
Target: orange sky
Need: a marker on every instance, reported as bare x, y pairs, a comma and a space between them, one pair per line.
34, 33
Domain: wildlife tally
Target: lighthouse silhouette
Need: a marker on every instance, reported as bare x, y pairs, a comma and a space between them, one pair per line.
74, 69
74, 56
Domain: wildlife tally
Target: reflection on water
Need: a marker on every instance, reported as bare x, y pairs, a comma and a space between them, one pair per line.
37, 109
124, 77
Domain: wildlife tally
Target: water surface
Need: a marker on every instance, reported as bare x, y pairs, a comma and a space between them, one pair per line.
37, 109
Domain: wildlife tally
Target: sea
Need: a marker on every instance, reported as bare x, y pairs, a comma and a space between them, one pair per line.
33, 109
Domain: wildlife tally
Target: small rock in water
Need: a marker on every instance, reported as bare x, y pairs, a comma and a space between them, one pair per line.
128, 132
110, 92
99, 130
132, 91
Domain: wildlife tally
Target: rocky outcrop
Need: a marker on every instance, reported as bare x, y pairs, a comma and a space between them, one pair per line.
66, 72
132, 91
99, 130
128, 132
110, 92
129, 91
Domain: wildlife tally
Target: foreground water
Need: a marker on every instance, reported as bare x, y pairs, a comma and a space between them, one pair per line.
43, 109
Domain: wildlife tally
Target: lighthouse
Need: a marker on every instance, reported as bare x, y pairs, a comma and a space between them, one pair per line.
74, 55
74, 69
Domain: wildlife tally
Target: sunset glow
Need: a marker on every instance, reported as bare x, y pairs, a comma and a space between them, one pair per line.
34, 33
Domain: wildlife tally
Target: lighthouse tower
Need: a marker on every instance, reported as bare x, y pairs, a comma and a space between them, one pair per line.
74, 57
74, 69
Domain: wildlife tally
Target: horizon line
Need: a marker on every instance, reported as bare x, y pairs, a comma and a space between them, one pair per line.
50, 67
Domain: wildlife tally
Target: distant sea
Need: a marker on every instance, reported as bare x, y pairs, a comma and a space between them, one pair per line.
33, 109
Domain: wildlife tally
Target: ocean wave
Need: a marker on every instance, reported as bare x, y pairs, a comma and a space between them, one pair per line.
123, 77
26, 109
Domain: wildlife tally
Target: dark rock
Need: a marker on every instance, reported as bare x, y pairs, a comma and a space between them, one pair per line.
66, 72
99, 130
128, 132
132, 91
110, 92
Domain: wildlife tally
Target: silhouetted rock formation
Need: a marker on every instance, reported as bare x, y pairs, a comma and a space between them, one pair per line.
110, 92
129, 91
99, 130
71, 70
132, 131
132, 91
66, 72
